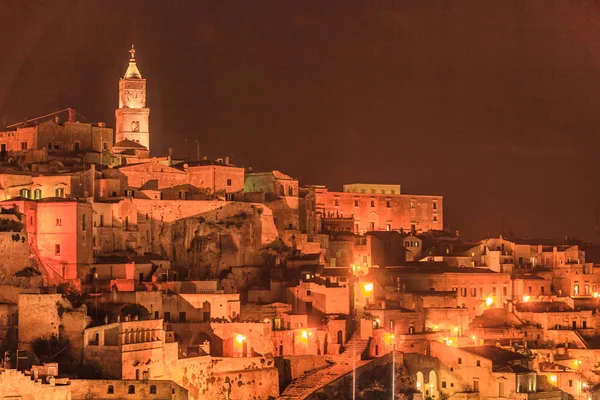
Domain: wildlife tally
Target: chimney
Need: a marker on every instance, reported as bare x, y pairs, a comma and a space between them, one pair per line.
170, 153
227, 160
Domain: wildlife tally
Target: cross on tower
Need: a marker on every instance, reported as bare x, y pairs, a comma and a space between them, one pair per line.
132, 52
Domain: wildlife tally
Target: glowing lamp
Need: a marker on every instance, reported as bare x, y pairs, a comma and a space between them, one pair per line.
473, 337
596, 295
304, 334
368, 288
553, 378
584, 385
489, 301
456, 329
436, 327
450, 341
526, 298
418, 385
240, 338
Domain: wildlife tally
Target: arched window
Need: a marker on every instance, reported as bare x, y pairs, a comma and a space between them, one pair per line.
152, 389
111, 389
290, 190
576, 290
24, 193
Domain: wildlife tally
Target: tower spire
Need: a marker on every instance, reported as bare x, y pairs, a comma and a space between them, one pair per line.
132, 70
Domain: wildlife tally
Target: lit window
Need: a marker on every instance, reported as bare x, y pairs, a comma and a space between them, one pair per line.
412, 205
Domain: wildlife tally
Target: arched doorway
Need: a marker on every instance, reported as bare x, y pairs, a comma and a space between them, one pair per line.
420, 382
433, 383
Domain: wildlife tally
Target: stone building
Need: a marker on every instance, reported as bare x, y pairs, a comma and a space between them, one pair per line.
372, 208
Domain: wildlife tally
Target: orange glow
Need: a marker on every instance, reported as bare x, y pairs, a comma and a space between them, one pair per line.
596, 295
368, 288
489, 301
240, 338
553, 378
389, 338
526, 298
304, 335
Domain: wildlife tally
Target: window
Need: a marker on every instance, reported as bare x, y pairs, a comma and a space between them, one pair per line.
167, 316
388, 204
57, 249
463, 292
372, 226
355, 203
23, 145
443, 384
111, 389
388, 227
435, 206
77, 146
478, 363
412, 205
24, 193
105, 145
131, 389
152, 389
570, 382
505, 291
373, 190
336, 202
473, 292
59, 192
542, 289
290, 190
476, 386
459, 360
101, 219
37, 194
58, 222
435, 218
182, 195
229, 182
230, 196
372, 203
83, 222
308, 292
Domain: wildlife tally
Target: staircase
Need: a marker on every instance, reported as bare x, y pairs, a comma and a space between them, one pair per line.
340, 364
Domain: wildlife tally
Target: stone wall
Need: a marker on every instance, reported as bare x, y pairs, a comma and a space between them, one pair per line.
14, 248
237, 378
15, 385
83, 389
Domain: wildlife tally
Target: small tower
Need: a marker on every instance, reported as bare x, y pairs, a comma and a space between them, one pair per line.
132, 115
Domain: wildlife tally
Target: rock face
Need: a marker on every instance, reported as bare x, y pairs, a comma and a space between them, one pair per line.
204, 238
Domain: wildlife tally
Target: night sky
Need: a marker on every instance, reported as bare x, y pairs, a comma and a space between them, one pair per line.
493, 105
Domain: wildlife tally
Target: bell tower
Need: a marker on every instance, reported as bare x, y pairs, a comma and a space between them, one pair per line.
132, 114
